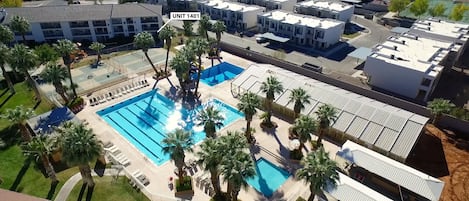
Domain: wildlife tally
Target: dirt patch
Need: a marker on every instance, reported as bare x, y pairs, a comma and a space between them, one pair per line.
445, 155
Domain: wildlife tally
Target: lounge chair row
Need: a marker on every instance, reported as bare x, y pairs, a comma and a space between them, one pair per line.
116, 93
141, 178
116, 156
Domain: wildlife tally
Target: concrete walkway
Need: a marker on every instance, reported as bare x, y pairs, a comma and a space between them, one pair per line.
70, 183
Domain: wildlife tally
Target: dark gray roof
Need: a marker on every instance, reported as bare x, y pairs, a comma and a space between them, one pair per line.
83, 12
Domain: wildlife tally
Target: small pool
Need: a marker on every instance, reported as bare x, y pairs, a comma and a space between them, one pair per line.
146, 119
269, 177
219, 73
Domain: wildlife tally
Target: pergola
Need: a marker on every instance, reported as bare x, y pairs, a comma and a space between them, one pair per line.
391, 130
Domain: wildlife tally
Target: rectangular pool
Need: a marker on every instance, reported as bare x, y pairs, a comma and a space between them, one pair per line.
219, 73
269, 177
146, 119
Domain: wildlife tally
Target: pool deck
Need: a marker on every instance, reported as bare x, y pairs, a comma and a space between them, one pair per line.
271, 145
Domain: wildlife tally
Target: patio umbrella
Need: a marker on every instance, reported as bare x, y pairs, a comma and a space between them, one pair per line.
294, 144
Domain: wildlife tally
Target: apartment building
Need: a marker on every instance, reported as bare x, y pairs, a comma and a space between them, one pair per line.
87, 22
272, 4
235, 15
301, 29
409, 65
325, 9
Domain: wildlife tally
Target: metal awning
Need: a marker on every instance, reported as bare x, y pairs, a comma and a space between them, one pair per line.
399, 30
273, 37
361, 53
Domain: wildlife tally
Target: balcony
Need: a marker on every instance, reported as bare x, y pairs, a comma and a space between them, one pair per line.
101, 31
151, 27
50, 26
100, 23
149, 20
81, 32
79, 24
118, 29
116, 21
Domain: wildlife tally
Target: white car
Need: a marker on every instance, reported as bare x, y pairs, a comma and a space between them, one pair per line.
261, 39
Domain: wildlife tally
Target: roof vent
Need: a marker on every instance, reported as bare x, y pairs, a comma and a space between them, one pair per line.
403, 42
428, 28
395, 47
392, 56
416, 37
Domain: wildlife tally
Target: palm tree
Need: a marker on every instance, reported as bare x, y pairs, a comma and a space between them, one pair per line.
319, 171
300, 97
5, 53
204, 26
80, 147
175, 144
187, 26
18, 116
55, 74
41, 147
211, 119
167, 34
180, 65
97, 47
210, 155
438, 107
6, 35
20, 25
270, 87
327, 115
236, 168
304, 126
199, 46
23, 59
46, 54
219, 27
248, 104
144, 41
65, 48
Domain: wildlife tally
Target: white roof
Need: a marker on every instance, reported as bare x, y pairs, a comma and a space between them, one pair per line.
326, 5
389, 128
348, 189
444, 28
232, 6
417, 53
396, 172
305, 20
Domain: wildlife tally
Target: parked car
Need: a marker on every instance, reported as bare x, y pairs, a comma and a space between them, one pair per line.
261, 39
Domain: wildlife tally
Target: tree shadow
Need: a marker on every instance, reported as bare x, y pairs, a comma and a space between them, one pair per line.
6, 100
20, 175
82, 191
89, 194
4, 92
53, 187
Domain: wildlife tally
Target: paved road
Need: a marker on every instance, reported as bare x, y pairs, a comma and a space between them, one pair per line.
336, 61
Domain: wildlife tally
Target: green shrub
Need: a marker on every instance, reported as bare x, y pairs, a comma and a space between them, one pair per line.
75, 102
185, 185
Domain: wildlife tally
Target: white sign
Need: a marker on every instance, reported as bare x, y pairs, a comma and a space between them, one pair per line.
185, 16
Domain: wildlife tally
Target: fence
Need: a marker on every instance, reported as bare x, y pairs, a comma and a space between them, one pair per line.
446, 120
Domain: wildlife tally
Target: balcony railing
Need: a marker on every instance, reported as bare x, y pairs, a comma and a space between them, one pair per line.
78, 24
50, 26
99, 23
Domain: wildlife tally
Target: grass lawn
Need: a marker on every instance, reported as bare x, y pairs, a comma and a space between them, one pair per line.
28, 179
350, 36
23, 96
107, 188
15, 175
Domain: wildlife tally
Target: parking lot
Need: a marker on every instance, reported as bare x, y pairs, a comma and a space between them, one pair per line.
333, 61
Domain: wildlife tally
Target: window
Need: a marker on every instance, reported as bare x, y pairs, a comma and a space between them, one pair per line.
50, 25
97, 23
426, 82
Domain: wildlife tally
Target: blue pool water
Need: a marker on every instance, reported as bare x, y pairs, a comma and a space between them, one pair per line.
219, 73
146, 119
269, 177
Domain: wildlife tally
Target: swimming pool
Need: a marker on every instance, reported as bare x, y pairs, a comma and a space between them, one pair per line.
146, 119
219, 73
269, 177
